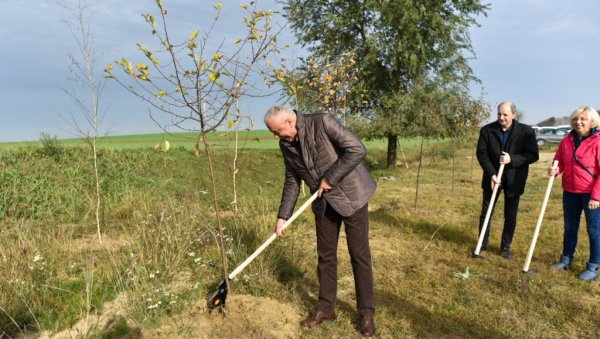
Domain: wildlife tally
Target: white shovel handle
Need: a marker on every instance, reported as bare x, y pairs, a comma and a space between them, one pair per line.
273, 236
539, 221
489, 212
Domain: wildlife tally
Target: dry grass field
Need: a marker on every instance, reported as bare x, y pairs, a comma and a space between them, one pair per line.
159, 256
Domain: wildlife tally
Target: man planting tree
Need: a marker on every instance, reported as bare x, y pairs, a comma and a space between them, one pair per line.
328, 157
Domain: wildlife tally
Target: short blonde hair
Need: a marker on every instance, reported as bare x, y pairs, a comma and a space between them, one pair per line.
592, 115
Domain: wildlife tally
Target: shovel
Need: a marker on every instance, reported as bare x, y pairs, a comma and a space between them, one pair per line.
539, 222
488, 214
219, 298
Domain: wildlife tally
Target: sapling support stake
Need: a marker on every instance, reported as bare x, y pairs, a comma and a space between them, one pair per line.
488, 214
536, 232
219, 298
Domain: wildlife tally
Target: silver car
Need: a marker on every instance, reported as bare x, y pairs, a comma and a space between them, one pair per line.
552, 135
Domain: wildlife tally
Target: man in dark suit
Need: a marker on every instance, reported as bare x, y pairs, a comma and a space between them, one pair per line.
509, 142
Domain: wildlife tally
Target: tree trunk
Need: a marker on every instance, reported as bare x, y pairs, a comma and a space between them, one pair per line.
391, 151
419, 173
453, 158
217, 209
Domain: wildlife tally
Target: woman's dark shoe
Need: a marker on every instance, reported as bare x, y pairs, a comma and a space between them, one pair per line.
565, 263
318, 318
590, 273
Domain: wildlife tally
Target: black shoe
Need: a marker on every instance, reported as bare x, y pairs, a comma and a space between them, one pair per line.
506, 254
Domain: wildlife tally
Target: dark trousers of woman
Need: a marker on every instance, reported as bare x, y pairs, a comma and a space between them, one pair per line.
511, 206
573, 205
357, 235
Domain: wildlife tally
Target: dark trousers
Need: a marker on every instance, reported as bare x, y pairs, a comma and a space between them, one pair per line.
573, 205
511, 206
357, 235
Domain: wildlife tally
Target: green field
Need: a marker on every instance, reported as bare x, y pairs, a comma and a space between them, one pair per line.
255, 139
159, 255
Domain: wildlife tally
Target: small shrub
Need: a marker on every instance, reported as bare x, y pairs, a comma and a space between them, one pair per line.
50, 146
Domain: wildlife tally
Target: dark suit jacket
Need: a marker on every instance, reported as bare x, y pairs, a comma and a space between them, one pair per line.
523, 151
326, 149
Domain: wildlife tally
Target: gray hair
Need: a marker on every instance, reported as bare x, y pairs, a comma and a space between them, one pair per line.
592, 115
275, 111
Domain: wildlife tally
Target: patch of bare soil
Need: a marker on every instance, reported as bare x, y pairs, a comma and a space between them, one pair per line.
246, 316
111, 312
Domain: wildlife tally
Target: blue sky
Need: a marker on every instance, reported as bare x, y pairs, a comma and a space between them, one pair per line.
541, 54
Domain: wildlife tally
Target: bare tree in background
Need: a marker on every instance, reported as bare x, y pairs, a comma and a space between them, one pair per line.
82, 70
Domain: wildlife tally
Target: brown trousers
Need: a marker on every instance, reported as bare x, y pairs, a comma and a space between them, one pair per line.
357, 235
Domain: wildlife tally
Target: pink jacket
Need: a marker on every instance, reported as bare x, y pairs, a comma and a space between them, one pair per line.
575, 179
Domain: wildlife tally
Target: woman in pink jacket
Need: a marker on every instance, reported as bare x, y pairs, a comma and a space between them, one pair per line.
579, 162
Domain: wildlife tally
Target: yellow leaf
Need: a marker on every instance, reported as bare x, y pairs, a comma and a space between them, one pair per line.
130, 68
213, 77
244, 6
193, 36
197, 150
167, 146
237, 41
160, 93
156, 147
218, 5
230, 124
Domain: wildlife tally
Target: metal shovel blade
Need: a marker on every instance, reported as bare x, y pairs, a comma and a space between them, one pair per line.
477, 256
219, 298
